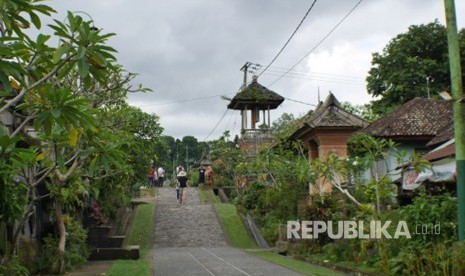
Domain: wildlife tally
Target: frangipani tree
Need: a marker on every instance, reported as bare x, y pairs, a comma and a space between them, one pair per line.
62, 95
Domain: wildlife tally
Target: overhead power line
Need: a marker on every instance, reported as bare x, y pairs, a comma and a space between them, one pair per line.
345, 76
299, 102
317, 78
185, 100
319, 43
216, 125
292, 35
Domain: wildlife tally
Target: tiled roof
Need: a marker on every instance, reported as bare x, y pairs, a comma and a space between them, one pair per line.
444, 135
417, 117
329, 114
256, 95
446, 151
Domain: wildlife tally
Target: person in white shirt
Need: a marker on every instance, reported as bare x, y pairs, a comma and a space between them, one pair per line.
161, 176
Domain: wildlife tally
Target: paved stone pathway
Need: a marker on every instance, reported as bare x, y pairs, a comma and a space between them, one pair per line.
192, 224
188, 240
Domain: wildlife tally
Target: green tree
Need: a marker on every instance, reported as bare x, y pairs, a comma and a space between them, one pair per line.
141, 133
283, 122
363, 111
400, 72
372, 154
71, 96
226, 159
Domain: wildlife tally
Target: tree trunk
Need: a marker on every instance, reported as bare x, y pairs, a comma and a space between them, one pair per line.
60, 265
17, 229
347, 193
377, 188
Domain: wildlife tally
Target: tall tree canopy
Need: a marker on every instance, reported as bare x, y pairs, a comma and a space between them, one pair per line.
68, 129
410, 63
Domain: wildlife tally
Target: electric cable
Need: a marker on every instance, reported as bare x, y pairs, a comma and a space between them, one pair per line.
292, 35
299, 102
216, 125
309, 77
319, 43
181, 101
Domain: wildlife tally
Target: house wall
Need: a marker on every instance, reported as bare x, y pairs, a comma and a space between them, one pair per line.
320, 143
390, 165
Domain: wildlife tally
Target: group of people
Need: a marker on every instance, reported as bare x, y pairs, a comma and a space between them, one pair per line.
182, 182
205, 176
155, 177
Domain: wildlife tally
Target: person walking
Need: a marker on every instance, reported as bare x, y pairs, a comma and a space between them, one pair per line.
161, 176
209, 174
150, 176
178, 169
201, 176
183, 184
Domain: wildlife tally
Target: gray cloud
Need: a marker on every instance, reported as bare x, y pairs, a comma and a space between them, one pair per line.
186, 49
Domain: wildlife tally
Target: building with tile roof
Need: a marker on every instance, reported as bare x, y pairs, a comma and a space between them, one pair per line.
419, 120
421, 126
328, 128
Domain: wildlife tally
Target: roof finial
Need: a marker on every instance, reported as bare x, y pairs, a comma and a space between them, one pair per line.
254, 78
319, 100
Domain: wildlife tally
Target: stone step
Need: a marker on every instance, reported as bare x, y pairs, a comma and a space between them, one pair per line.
192, 224
131, 252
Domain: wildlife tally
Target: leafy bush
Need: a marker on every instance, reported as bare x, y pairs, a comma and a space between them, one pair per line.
270, 228
432, 253
431, 211
433, 259
366, 192
12, 267
283, 202
251, 200
76, 248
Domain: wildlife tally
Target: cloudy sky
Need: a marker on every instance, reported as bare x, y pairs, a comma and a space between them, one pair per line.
189, 52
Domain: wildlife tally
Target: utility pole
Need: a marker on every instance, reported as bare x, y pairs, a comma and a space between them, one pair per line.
187, 157
177, 155
459, 118
428, 79
245, 68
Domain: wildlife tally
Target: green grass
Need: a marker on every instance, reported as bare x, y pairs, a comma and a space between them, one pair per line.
346, 264
203, 195
142, 235
142, 227
207, 195
298, 266
238, 237
130, 267
235, 231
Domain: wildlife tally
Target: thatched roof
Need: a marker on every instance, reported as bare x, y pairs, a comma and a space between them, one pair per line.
255, 95
419, 117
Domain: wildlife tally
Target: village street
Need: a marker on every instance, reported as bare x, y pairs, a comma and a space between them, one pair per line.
188, 240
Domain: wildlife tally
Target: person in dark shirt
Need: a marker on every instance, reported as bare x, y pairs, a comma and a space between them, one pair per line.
183, 184
201, 176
